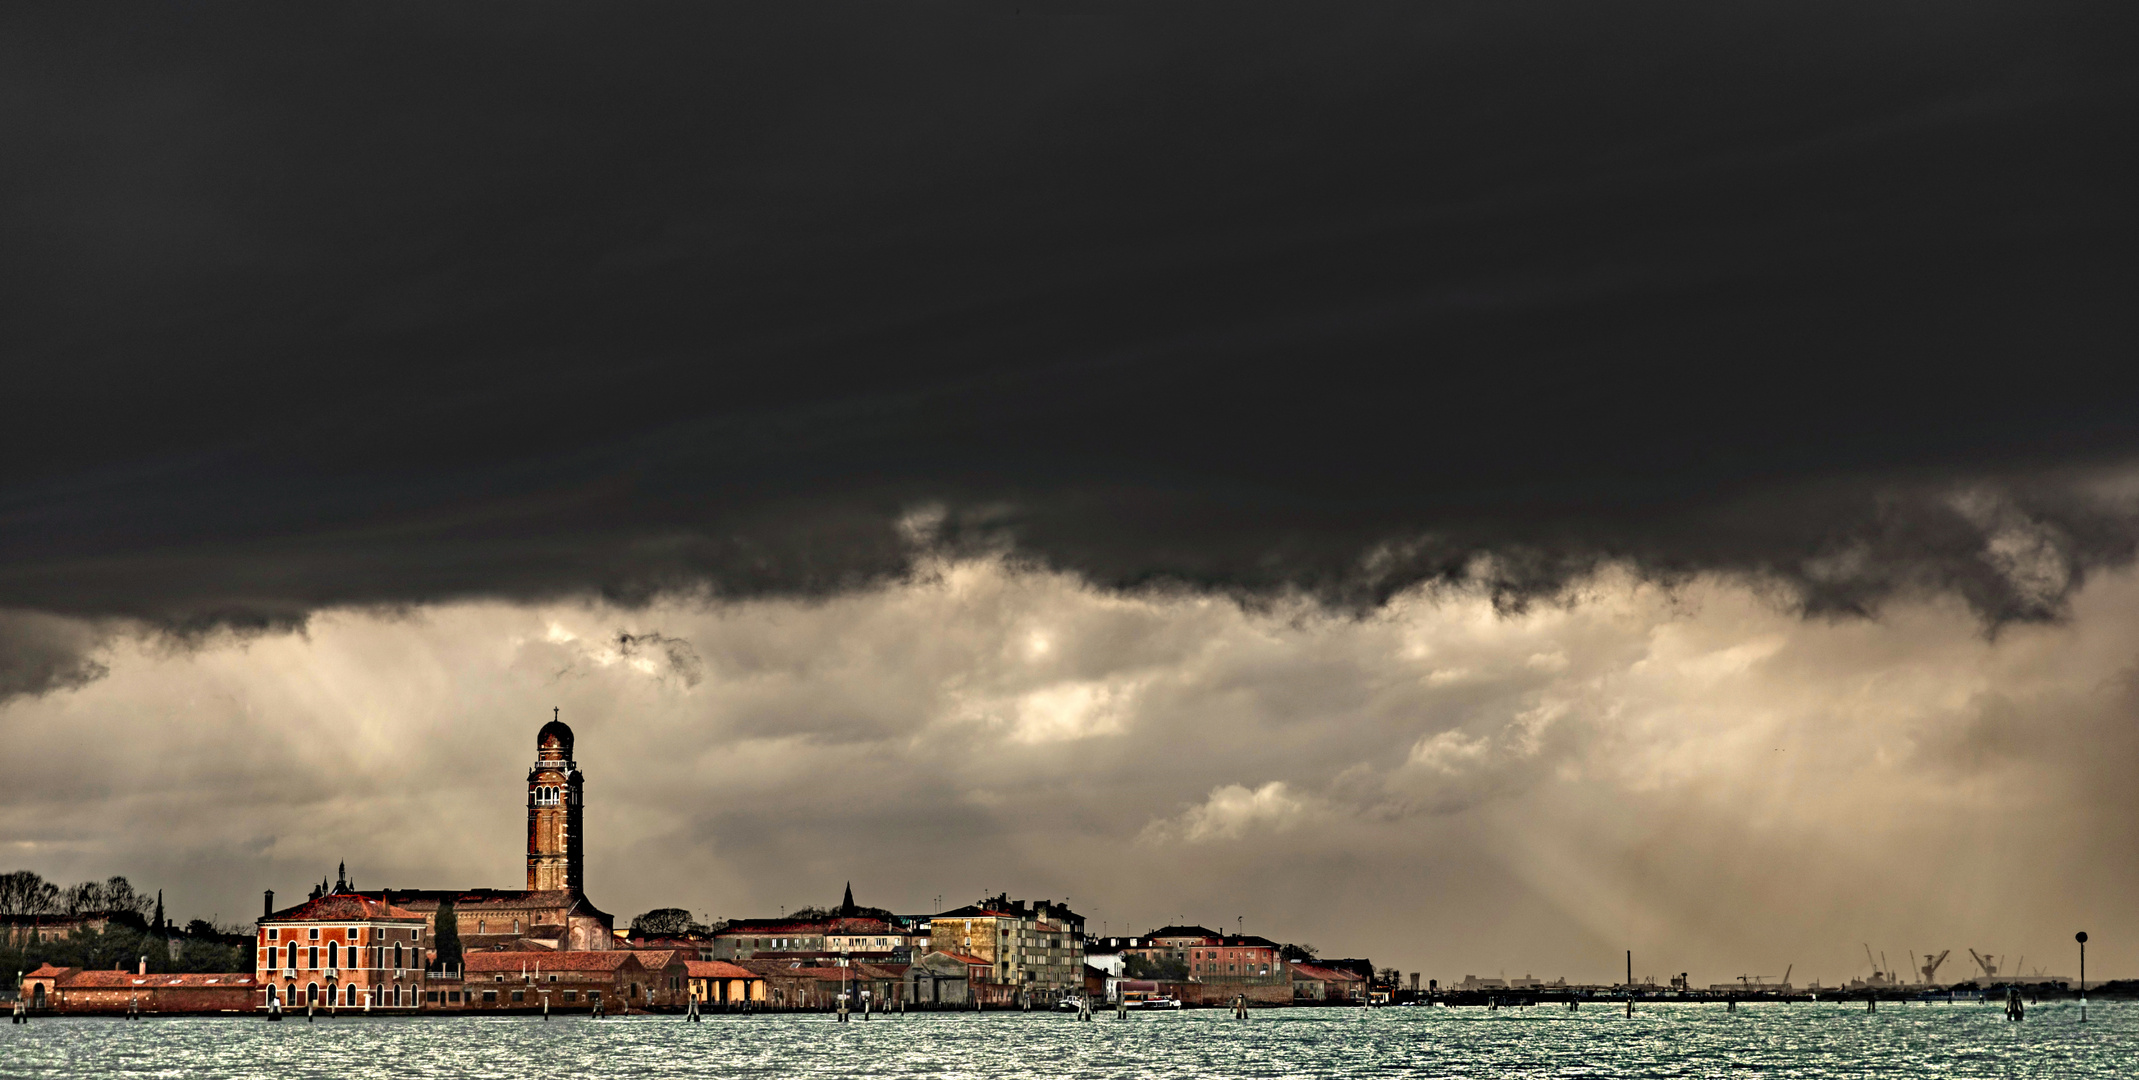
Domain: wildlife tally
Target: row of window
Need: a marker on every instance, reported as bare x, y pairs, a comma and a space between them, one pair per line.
352, 995
403, 956
402, 997
274, 933
549, 796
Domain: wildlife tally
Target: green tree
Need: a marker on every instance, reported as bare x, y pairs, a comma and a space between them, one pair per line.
25, 892
445, 935
1163, 968
665, 922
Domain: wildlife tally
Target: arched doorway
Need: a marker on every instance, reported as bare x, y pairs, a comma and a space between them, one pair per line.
37, 997
311, 993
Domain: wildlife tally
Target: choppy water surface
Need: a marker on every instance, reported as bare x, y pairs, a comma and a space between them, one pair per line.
1812, 1040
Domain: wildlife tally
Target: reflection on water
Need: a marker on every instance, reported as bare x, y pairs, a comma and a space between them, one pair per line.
1661, 1040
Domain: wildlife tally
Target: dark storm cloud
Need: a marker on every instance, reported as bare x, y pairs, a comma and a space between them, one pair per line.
41, 653
396, 304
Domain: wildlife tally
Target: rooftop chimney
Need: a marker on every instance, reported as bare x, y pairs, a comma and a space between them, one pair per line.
143, 969
270, 904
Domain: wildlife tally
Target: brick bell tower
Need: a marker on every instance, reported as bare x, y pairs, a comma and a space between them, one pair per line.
556, 853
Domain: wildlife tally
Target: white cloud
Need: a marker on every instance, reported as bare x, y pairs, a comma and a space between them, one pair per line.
1230, 812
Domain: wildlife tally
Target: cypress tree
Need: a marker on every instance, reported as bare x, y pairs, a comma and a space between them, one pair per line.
445, 936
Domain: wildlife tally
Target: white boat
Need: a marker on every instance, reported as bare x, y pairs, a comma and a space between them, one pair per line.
1156, 1003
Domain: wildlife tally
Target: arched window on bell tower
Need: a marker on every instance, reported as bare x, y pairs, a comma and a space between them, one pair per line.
554, 805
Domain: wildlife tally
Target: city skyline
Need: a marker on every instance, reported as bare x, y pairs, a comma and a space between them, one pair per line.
1477, 487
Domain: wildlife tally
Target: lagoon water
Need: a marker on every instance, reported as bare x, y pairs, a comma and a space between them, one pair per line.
1796, 1040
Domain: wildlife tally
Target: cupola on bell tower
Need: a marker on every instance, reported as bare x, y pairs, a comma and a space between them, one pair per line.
556, 853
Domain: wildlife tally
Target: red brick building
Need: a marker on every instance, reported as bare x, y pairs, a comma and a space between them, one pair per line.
73, 990
344, 949
1220, 967
524, 981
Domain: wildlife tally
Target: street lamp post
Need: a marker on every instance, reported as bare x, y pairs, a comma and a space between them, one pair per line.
2081, 937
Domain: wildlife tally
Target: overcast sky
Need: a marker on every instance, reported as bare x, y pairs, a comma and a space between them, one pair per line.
1483, 486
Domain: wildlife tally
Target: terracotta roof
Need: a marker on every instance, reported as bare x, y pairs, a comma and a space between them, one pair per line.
964, 959
975, 911
48, 971
492, 962
341, 907
655, 959
717, 969
127, 979
883, 971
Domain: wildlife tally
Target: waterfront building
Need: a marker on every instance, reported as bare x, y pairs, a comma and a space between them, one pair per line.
1036, 950
1313, 984
1217, 967
719, 984
526, 981
809, 939
343, 949
941, 978
77, 991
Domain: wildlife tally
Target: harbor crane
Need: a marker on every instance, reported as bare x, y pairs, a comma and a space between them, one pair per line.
1869, 959
1989, 964
1930, 968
